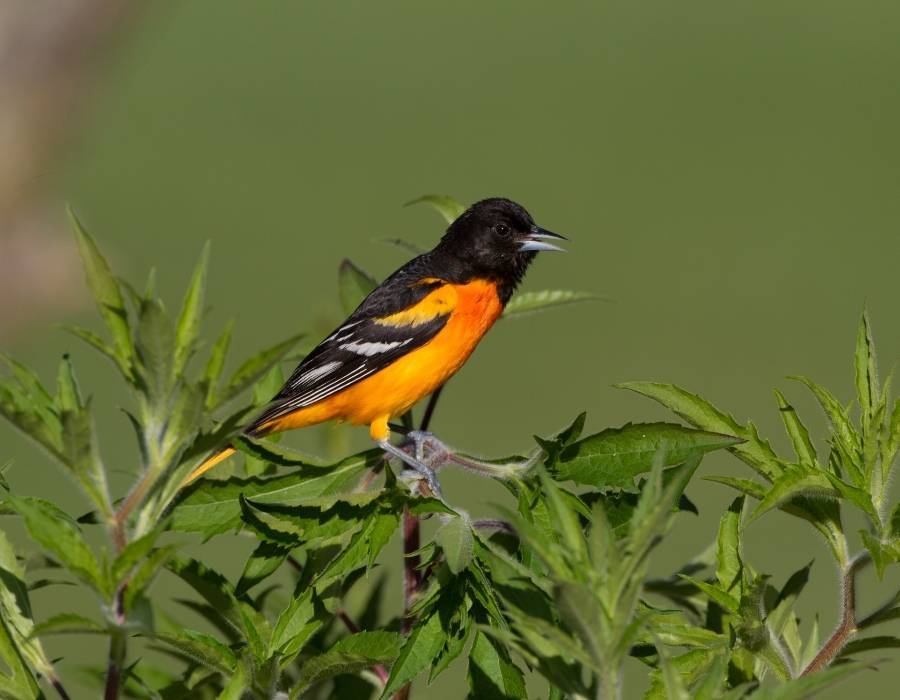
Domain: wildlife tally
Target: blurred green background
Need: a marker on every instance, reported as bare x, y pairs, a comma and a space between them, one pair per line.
728, 173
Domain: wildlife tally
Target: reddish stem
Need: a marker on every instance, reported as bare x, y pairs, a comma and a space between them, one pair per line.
847, 627
412, 541
412, 578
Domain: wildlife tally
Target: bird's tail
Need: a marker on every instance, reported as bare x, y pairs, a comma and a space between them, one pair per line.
208, 464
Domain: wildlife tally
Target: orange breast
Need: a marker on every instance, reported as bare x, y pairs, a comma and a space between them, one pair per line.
396, 388
473, 308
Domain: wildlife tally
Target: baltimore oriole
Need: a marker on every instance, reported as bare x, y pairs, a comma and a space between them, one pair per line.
411, 334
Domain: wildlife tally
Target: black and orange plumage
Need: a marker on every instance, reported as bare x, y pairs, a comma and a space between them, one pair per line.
412, 333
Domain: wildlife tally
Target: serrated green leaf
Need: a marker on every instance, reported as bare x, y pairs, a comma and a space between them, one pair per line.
787, 597
78, 441
823, 515
34, 391
273, 453
882, 553
655, 506
525, 303
354, 285
857, 496
844, 432
579, 608
794, 482
295, 625
456, 541
69, 623
106, 293
421, 648
729, 567
727, 602
866, 372
184, 418
363, 548
213, 507
452, 649
565, 520
749, 488
671, 678
315, 523
492, 673
25, 403
237, 685
684, 669
797, 432
675, 634
187, 329
613, 457
349, 655
711, 685
68, 393
443, 204
203, 648
15, 609
212, 373
154, 342
255, 367
56, 532
262, 563
20, 684
236, 611
94, 340
892, 442
698, 412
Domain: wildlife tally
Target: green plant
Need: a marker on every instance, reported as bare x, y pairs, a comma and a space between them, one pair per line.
554, 585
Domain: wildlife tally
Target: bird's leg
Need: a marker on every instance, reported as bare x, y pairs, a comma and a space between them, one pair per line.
423, 469
437, 452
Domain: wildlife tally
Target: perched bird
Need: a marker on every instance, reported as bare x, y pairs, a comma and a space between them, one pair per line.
411, 334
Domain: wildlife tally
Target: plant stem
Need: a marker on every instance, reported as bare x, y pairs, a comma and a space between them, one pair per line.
59, 688
412, 538
118, 640
610, 686
847, 627
117, 650
411, 576
134, 497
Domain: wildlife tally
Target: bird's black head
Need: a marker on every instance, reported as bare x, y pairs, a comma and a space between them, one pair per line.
496, 239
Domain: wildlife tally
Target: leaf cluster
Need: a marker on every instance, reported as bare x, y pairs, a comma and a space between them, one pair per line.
553, 585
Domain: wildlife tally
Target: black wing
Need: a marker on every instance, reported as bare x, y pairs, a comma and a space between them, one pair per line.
360, 346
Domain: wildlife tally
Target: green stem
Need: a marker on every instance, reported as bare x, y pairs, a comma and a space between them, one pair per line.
118, 649
610, 686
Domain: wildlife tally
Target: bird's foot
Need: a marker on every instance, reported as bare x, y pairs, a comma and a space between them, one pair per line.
422, 470
428, 448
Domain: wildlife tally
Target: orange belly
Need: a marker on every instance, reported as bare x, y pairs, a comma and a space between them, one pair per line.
393, 390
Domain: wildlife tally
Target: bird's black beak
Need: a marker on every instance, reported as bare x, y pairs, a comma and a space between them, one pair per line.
533, 241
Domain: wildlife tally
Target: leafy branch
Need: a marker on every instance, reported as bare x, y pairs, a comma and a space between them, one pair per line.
551, 583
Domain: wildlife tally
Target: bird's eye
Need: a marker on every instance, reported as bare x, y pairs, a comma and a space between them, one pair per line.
501, 229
